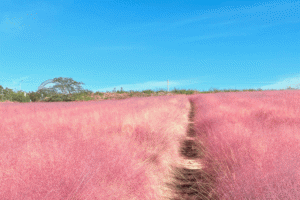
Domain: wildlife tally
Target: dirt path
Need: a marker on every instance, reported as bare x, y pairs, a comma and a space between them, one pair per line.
190, 182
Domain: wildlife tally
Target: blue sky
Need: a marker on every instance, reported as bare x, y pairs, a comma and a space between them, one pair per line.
140, 44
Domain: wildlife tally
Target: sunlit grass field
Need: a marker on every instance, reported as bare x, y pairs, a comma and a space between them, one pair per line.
131, 148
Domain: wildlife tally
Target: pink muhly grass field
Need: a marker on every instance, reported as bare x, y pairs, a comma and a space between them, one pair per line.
252, 142
117, 149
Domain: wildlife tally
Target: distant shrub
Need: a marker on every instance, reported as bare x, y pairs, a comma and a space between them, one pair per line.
34, 96
20, 97
121, 91
85, 92
187, 92
161, 90
149, 92
84, 96
131, 93
290, 88
101, 94
59, 97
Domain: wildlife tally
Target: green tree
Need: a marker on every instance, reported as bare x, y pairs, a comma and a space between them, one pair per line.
20, 97
65, 89
1, 93
34, 96
7, 94
46, 92
66, 86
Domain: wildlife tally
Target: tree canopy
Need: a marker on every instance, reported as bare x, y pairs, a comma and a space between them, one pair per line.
65, 86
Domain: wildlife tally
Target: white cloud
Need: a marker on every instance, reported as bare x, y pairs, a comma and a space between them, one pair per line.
212, 36
293, 82
117, 48
152, 85
13, 83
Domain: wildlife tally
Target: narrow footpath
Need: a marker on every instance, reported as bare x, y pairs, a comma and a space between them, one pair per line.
190, 182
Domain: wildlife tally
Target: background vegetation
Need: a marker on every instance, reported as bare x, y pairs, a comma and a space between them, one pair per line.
66, 89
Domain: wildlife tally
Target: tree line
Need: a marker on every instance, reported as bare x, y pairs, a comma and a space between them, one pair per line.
65, 89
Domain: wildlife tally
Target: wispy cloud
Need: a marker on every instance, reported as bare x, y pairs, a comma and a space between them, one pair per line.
241, 15
225, 23
204, 37
293, 82
13, 83
212, 23
26, 15
14, 24
118, 48
212, 36
188, 21
153, 85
